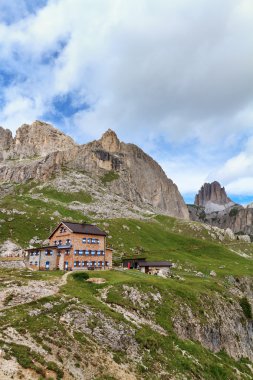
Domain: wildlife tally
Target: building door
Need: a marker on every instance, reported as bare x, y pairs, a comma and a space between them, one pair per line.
47, 265
66, 265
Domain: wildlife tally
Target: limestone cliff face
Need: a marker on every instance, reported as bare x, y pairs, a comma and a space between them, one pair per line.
38, 151
223, 325
140, 178
211, 192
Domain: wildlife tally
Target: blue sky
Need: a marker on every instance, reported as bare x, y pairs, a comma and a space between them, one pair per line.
174, 77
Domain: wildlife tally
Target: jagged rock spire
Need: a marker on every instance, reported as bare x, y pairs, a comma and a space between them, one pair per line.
110, 141
212, 192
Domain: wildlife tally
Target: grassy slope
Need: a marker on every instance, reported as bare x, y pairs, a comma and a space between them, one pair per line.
176, 357
157, 239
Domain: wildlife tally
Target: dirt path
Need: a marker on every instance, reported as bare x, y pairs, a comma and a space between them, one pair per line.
64, 279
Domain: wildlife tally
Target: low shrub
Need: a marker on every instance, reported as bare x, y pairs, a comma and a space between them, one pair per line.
246, 307
80, 276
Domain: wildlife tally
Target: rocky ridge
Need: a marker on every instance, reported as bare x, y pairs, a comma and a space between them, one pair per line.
214, 207
40, 151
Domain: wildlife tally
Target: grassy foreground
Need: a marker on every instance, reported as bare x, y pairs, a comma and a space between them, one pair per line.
160, 356
72, 333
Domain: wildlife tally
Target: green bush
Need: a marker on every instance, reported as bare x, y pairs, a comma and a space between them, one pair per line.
80, 276
246, 307
233, 212
109, 177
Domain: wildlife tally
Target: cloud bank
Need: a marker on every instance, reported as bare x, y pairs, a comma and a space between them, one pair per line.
175, 78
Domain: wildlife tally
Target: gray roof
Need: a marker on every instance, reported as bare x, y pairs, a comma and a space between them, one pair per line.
84, 228
155, 264
133, 258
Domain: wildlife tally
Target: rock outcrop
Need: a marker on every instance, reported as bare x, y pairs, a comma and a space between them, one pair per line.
39, 151
222, 327
214, 207
37, 139
5, 141
213, 197
10, 249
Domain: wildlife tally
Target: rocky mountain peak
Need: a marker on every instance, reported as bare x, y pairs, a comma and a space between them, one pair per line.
110, 141
40, 139
212, 193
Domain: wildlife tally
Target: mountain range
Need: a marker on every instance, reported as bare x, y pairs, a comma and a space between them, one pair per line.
39, 151
115, 173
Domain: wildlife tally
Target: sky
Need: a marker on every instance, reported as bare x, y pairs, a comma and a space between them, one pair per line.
174, 77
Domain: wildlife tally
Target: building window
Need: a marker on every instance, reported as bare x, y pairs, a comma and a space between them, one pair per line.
76, 252
55, 242
93, 252
98, 263
68, 241
80, 252
98, 253
103, 263
60, 242
89, 240
87, 252
102, 253
74, 263
84, 240
106, 263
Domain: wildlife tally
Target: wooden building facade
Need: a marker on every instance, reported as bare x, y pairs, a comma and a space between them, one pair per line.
72, 246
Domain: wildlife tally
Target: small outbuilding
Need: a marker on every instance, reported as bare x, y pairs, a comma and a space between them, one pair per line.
133, 262
159, 268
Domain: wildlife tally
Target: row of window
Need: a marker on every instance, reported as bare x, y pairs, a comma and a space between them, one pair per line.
76, 252
84, 240
89, 252
90, 263
47, 253
90, 241
59, 242
80, 263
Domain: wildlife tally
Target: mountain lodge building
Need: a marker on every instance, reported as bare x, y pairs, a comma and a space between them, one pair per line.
72, 246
